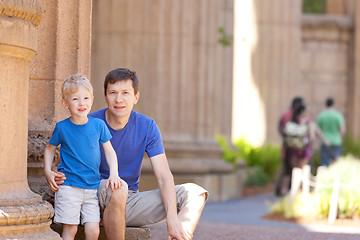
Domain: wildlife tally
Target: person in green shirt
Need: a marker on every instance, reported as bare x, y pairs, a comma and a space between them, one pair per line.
332, 124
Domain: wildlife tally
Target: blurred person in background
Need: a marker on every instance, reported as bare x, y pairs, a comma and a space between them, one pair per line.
332, 124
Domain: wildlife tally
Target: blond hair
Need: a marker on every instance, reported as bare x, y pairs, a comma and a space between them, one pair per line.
72, 84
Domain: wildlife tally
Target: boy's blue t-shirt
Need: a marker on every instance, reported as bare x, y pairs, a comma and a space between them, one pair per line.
80, 151
140, 135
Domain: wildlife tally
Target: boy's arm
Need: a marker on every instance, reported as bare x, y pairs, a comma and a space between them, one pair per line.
49, 174
111, 159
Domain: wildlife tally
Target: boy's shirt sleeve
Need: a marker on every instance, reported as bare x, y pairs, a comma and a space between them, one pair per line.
105, 134
55, 139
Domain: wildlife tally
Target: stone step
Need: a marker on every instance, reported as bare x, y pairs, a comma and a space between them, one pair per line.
132, 233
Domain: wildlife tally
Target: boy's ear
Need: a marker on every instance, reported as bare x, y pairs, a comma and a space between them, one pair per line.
63, 103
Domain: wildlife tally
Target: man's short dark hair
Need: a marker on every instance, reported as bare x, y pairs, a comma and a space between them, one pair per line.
121, 74
330, 102
297, 101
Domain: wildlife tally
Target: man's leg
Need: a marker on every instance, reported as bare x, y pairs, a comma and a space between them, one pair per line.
114, 205
114, 216
324, 155
190, 214
144, 208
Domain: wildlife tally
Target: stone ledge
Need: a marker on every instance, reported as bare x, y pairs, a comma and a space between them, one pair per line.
132, 233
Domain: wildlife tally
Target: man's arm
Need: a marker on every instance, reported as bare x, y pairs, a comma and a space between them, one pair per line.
52, 177
167, 188
342, 131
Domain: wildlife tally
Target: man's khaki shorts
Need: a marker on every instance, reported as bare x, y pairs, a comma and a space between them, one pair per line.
143, 208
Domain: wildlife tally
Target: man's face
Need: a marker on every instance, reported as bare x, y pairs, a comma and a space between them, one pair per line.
121, 98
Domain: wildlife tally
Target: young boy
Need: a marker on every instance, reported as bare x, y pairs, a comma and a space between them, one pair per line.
79, 137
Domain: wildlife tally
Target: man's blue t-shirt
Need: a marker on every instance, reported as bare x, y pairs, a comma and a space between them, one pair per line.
140, 135
80, 151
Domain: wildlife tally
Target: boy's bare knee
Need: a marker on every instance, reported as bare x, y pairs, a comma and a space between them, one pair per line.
92, 230
69, 231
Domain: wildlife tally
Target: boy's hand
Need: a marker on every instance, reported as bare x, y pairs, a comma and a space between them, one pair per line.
114, 182
51, 177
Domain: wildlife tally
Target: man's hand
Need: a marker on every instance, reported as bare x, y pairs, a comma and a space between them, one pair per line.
54, 179
327, 143
176, 231
60, 177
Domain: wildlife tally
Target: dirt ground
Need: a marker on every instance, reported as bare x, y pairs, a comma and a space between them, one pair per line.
307, 220
225, 231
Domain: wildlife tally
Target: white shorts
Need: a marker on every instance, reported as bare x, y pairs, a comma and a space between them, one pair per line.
72, 203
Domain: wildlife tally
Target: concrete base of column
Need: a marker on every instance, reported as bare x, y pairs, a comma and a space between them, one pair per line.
28, 220
131, 233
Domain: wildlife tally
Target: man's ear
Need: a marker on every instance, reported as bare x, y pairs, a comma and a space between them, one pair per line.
105, 98
137, 96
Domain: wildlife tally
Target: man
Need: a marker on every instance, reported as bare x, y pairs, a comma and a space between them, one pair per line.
283, 184
332, 124
133, 134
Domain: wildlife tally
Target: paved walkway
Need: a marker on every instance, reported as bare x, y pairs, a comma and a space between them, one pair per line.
241, 219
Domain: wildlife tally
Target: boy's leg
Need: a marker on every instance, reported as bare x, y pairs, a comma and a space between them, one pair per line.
69, 232
67, 209
90, 214
92, 230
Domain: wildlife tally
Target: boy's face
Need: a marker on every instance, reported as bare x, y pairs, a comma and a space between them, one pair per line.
121, 98
79, 103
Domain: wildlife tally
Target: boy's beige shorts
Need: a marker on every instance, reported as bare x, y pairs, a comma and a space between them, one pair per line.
143, 208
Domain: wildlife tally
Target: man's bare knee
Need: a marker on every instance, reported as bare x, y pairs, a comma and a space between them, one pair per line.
118, 198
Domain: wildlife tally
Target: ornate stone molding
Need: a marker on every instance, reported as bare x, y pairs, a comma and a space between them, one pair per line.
26, 214
29, 10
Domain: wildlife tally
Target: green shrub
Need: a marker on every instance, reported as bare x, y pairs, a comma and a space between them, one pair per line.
256, 177
317, 203
265, 159
351, 146
230, 154
314, 6
315, 161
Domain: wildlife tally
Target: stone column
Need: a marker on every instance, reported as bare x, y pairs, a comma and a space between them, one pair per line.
266, 66
23, 214
354, 88
185, 74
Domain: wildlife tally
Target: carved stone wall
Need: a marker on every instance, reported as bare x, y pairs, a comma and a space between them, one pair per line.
185, 76
64, 48
326, 62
